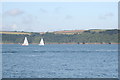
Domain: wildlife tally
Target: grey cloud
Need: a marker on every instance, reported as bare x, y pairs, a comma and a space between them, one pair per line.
14, 27
68, 17
105, 16
58, 9
10, 27
30, 20
43, 10
14, 12
109, 15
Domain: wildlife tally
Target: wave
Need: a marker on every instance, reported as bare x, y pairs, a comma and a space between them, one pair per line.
36, 51
80, 51
9, 51
30, 55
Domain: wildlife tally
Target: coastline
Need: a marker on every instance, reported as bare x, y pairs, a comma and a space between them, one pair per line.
63, 43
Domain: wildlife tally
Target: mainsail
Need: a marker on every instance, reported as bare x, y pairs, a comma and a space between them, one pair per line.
25, 41
41, 42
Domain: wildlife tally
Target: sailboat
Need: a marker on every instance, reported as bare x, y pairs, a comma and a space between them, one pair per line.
25, 42
42, 42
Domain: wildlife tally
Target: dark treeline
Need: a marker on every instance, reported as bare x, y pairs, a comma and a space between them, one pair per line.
108, 36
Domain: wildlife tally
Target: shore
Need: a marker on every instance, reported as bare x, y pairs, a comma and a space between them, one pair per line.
63, 43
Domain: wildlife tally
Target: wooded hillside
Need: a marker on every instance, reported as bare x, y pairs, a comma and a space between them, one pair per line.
86, 36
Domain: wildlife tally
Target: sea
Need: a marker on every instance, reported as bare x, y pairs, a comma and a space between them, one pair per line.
60, 61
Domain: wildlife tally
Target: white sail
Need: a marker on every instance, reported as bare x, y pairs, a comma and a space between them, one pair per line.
25, 41
41, 42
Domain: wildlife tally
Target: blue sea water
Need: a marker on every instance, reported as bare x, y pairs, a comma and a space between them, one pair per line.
60, 61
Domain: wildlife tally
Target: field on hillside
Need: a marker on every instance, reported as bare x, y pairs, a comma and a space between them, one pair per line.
5, 32
68, 32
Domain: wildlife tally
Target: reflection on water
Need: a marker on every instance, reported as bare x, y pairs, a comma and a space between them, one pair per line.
60, 61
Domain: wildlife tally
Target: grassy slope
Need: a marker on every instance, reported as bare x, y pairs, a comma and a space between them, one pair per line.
9, 32
69, 32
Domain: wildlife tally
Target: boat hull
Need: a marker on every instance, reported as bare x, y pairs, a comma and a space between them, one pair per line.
41, 44
25, 44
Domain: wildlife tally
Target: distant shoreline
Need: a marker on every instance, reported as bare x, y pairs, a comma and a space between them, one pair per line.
63, 43
99, 36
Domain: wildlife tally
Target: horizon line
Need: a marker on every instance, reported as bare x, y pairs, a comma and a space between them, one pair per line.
58, 30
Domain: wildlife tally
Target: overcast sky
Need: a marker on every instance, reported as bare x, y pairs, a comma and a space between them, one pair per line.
54, 16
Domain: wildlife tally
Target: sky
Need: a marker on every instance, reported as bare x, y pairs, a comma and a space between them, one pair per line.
55, 16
